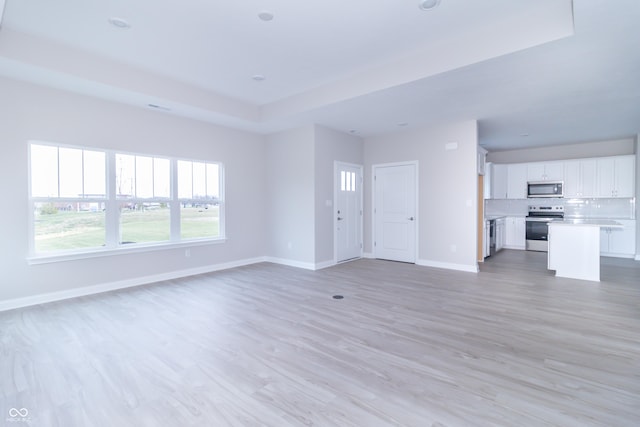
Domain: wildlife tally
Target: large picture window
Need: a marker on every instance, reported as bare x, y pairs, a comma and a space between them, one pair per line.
88, 200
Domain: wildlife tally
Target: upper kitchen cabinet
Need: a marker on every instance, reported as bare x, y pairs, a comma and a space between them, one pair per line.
509, 181
549, 171
498, 181
616, 176
580, 178
517, 181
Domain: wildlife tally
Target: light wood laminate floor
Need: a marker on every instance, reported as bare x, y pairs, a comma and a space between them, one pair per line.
266, 345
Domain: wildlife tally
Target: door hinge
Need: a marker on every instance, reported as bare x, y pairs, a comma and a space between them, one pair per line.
375, 243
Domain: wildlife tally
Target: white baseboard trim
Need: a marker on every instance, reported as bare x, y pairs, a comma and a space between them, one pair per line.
448, 265
637, 258
112, 286
613, 255
367, 255
324, 264
291, 263
300, 264
139, 281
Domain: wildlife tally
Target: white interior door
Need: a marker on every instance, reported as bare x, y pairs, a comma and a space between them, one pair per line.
395, 212
348, 211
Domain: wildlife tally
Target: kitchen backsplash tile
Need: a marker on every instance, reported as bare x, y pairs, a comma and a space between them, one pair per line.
508, 207
600, 208
621, 208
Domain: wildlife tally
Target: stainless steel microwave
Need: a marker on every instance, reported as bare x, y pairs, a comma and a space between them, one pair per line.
545, 189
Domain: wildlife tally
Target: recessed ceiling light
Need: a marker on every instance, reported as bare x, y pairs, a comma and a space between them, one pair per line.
265, 16
428, 4
119, 23
352, 131
258, 77
403, 124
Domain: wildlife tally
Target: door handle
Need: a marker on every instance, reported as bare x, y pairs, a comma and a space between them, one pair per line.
410, 218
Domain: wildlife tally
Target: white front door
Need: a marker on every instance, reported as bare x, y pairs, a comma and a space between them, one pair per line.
395, 215
348, 211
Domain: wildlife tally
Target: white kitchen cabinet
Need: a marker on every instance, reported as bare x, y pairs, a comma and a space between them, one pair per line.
616, 176
618, 242
509, 181
554, 171
499, 181
517, 181
486, 192
515, 233
547, 171
500, 233
572, 178
580, 178
609, 177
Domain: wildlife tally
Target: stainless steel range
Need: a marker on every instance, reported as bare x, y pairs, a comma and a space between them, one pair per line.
537, 230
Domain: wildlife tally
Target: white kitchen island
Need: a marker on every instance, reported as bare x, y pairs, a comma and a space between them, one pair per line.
574, 247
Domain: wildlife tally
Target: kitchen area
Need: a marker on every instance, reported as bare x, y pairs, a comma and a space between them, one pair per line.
522, 200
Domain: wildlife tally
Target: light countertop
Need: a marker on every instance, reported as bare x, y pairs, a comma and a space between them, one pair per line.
588, 222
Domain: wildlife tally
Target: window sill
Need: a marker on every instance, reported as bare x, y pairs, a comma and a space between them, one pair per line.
122, 250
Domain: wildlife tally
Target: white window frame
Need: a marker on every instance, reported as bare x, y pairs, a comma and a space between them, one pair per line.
112, 214
175, 219
113, 241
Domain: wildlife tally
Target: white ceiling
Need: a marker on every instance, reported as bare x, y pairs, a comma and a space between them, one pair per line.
556, 70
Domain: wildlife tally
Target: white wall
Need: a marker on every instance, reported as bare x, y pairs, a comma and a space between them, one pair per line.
564, 152
300, 181
330, 146
447, 190
33, 112
291, 200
